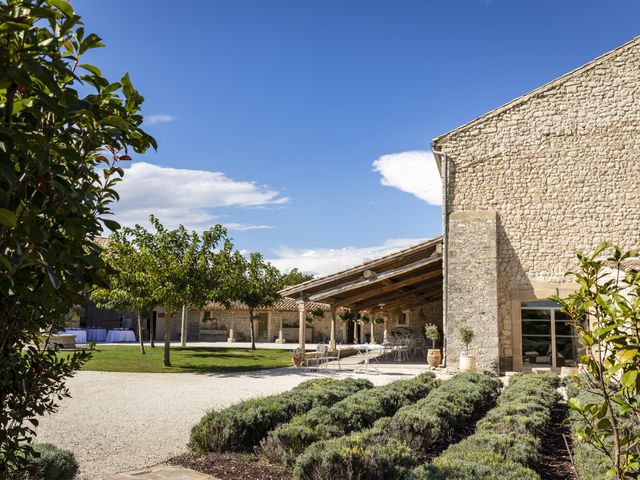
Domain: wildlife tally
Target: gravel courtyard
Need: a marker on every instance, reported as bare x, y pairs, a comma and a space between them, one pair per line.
117, 422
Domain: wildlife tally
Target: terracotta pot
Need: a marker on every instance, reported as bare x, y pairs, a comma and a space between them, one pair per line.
467, 363
434, 357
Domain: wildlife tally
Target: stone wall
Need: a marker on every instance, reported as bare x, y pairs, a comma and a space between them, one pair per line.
561, 169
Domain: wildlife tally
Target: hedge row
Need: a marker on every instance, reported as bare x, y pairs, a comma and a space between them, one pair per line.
354, 413
591, 463
391, 448
507, 440
242, 426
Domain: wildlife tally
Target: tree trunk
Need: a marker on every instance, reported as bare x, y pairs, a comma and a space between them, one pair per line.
167, 340
152, 331
252, 330
183, 327
140, 333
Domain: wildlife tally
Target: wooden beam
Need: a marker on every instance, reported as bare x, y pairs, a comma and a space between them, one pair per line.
387, 287
332, 292
426, 288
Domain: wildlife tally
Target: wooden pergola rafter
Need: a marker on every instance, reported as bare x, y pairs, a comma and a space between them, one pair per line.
402, 280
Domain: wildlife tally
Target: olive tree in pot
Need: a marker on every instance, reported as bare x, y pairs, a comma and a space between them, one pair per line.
434, 357
467, 362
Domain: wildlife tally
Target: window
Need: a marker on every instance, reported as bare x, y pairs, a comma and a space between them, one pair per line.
548, 336
403, 319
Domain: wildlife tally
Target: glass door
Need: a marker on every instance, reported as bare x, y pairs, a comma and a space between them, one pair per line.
548, 336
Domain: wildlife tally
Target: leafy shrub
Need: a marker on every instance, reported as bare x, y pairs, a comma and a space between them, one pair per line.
507, 440
52, 463
241, 427
354, 413
364, 455
432, 422
392, 446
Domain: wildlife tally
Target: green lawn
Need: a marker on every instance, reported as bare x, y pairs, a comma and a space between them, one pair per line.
185, 359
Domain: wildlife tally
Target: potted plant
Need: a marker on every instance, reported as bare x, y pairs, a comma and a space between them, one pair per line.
313, 315
467, 362
297, 356
434, 357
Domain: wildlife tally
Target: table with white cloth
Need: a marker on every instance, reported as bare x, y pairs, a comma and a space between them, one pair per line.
81, 335
116, 336
365, 352
97, 334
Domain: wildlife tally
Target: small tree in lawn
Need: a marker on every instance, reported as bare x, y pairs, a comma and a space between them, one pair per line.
257, 284
606, 315
59, 120
188, 270
131, 284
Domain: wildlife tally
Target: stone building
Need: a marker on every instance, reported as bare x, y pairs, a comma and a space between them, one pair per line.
525, 186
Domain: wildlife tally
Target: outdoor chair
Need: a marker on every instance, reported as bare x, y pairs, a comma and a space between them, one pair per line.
320, 358
334, 356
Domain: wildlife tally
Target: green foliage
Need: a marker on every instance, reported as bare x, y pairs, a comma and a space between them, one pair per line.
64, 130
241, 427
432, 333
368, 454
255, 283
354, 413
347, 316
52, 463
432, 423
294, 277
394, 445
606, 315
315, 314
466, 335
506, 443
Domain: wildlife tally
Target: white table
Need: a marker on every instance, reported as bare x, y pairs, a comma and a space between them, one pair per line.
365, 352
115, 336
97, 334
81, 335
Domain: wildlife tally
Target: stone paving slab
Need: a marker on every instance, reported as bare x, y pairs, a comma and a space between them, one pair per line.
162, 473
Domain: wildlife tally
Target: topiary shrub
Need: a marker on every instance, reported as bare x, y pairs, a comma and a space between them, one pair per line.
431, 423
52, 463
354, 413
370, 455
507, 440
241, 427
393, 446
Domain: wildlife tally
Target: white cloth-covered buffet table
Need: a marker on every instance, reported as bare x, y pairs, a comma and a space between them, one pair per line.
116, 336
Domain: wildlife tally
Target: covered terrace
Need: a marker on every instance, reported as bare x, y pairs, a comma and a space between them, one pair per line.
387, 288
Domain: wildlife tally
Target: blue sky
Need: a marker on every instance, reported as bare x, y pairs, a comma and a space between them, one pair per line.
270, 114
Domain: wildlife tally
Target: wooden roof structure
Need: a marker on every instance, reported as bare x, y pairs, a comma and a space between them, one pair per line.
402, 280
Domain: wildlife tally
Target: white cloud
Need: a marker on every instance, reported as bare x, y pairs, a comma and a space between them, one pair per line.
160, 118
241, 227
413, 172
323, 261
182, 196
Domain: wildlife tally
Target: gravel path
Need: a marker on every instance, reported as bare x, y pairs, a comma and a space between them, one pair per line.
116, 422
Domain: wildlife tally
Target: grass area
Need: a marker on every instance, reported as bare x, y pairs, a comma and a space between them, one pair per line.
185, 359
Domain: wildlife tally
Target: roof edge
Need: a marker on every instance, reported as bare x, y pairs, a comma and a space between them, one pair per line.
526, 96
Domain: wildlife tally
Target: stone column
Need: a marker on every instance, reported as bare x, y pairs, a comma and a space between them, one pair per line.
473, 286
373, 331
302, 318
232, 337
280, 338
385, 326
332, 337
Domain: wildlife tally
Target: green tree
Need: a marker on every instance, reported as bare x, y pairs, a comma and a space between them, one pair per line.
130, 281
64, 129
187, 269
295, 277
606, 315
256, 284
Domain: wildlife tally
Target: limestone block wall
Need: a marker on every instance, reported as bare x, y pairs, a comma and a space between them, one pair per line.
473, 287
561, 169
